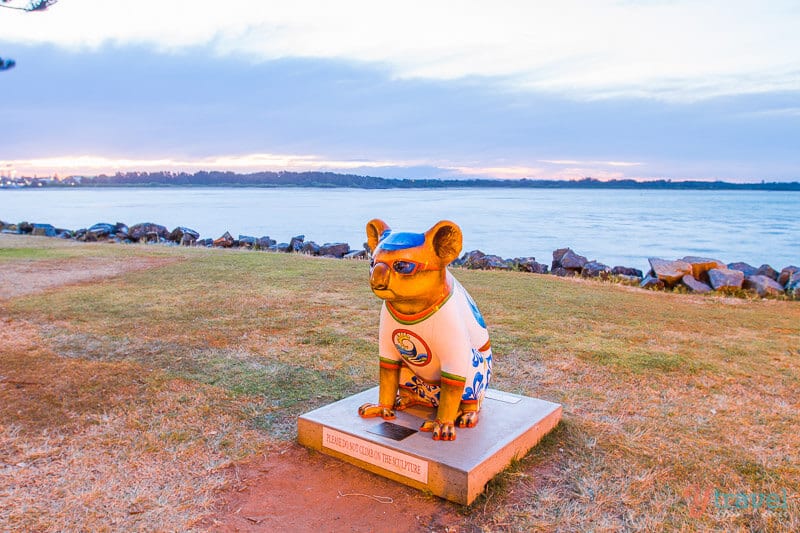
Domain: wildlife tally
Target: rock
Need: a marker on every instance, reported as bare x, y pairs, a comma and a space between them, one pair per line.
246, 241
793, 285
25, 228
264, 243
296, 243
204, 242
670, 272
626, 271
44, 230
3, 225
572, 261
701, 265
528, 264
102, 230
493, 262
337, 249
725, 279
650, 281
283, 247
178, 234
311, 248
147, 231
563, 272
786, 274
764, 285
225, 241
356, 254
470, 259
766, 270
694, 285
557, 256
747, 270
595, 269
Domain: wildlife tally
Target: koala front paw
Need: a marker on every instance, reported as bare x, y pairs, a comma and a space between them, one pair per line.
441, 430
467, 419
372, 410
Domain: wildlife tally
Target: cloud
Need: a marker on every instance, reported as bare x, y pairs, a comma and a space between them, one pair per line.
680, 50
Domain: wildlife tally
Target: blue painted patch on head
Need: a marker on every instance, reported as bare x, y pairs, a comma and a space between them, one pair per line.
400, 241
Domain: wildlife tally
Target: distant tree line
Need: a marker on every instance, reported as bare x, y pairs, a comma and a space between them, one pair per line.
331, 179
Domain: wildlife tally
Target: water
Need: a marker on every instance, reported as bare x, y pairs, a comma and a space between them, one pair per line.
616, 227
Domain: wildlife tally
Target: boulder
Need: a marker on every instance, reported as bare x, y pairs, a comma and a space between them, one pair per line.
493, 262
470, 259
563, 272
725, 279
356, 254
766, 270
283, 247
337, 249
25, 228
745, 268
310, 248
204, 242
595, 269
528, 264
793, 285
44, 230
694, 285
225, 241
246, 241
786, 274
626, 271
296, 243
701, 265
764, 285
264, 243
102, 230
557, 256
147, 231
182, 234
3, 225
650, 281
572, 261
670, 272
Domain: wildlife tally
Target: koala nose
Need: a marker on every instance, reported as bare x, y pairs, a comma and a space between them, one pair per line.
379, 276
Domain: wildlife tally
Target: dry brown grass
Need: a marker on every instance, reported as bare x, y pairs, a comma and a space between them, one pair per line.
123, 397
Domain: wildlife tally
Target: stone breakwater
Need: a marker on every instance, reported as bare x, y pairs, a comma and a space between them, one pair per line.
688, 274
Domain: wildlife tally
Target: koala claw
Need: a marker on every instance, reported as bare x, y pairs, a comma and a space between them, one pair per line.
441, 430
468, 419
371, 410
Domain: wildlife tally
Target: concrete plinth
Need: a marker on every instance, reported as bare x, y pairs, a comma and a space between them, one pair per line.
509, 426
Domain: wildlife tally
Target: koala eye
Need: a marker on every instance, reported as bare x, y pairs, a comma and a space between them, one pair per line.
404, 267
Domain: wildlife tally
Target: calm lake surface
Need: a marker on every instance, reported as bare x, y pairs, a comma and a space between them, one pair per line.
616, 227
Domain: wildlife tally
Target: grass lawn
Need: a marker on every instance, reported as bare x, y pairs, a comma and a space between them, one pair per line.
123, 399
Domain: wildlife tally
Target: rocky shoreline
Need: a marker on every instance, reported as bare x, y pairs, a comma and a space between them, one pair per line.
689, 274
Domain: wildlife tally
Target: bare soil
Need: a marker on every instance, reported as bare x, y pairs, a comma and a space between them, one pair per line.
302, 490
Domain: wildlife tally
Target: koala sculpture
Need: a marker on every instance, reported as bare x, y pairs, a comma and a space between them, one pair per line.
433, 343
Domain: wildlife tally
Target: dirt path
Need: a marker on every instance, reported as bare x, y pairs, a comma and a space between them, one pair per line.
27, 277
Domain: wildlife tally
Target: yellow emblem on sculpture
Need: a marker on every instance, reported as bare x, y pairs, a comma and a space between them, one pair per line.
433, 343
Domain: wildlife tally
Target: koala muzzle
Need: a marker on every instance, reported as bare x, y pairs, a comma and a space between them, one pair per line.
379, 276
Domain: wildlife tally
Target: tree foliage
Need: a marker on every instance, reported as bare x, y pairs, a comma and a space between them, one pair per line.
32, 5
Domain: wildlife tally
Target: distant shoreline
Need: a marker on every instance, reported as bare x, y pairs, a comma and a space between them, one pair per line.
351, 181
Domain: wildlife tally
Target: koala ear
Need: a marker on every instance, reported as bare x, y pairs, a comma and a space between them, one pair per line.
446, 238
375, 230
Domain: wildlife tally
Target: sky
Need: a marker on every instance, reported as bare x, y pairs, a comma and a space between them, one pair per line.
641, 89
